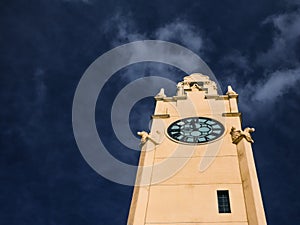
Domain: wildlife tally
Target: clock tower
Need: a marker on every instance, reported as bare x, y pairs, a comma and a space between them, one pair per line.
196, 165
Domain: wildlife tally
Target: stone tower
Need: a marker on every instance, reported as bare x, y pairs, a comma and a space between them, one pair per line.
196, 164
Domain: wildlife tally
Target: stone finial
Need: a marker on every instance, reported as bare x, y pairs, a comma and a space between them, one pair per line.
230, 91
180, 89
237, 135
161, 93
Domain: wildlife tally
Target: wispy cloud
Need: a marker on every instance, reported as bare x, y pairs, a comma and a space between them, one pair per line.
182, 32
235, 66
278, 83
266, 93
283, 51
281, 62
123, 29
281, 67
237, 59
178, 31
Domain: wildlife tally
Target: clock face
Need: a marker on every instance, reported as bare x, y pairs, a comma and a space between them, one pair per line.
195, 130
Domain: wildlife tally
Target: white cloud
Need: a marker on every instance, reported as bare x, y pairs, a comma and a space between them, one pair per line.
283, 50
235, 66
266, 93
279, 83
181, 32
280, 64
124, 30
178, 31
238, 59
283, 55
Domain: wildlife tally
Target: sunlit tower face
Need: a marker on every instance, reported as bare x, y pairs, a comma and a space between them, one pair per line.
196, 164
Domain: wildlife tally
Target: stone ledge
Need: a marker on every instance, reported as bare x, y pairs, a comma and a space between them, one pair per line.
160, 116
232, 114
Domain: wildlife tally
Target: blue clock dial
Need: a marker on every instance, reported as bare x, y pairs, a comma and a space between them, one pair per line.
195, 130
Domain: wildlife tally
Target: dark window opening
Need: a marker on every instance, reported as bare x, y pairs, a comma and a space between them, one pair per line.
223, 201
199, 83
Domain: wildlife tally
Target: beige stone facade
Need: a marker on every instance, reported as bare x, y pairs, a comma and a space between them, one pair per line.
177, 182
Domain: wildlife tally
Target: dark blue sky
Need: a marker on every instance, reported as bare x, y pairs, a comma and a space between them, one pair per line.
45, 47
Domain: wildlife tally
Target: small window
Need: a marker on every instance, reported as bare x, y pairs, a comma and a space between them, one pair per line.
223, 201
